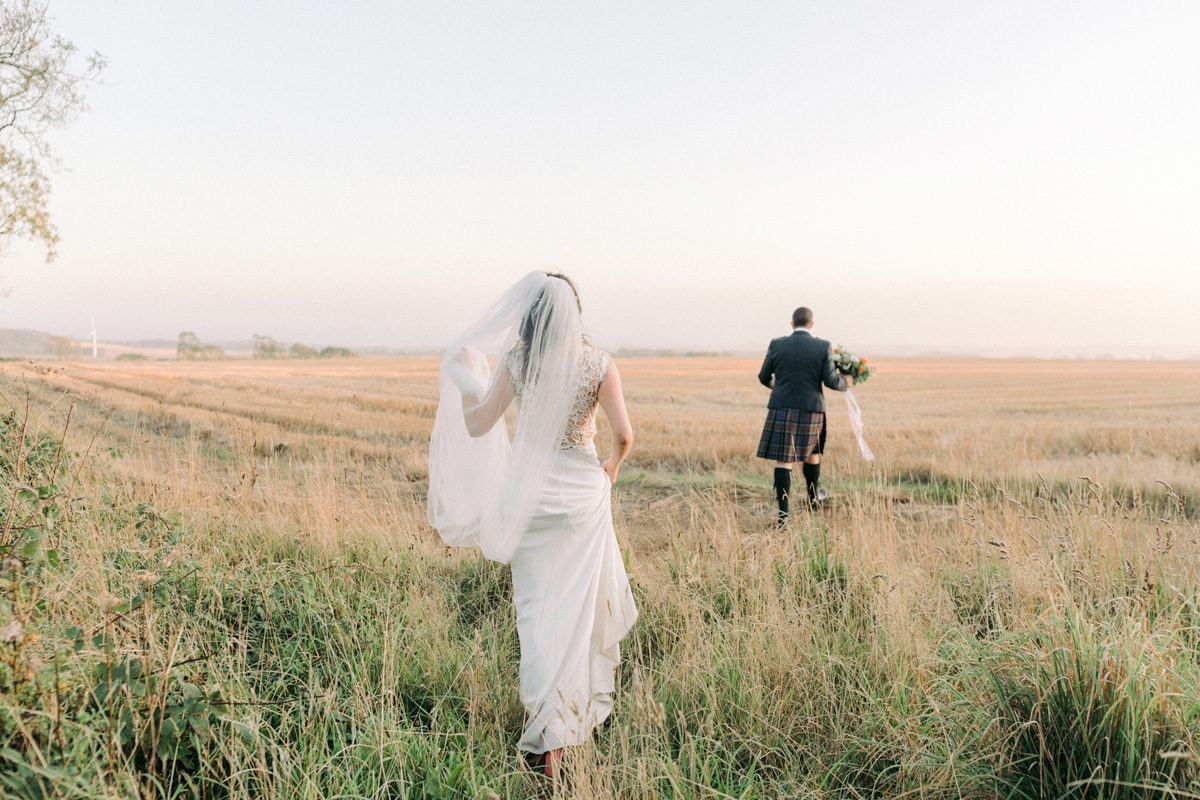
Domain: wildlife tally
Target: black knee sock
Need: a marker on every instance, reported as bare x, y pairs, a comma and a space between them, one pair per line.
783, 488
812, 476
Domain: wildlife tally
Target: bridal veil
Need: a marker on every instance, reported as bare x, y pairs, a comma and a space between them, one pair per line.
483, 490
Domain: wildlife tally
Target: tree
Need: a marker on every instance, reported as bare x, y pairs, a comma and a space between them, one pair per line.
189, 343
65, 347
191, 348
266, 347
41, 88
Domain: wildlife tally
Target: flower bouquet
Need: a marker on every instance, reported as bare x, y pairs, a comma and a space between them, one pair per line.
851, 365
854, 367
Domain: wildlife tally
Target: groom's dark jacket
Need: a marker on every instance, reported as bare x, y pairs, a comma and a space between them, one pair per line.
800, 364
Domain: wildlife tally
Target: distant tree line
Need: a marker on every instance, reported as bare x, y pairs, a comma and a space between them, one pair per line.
641, 352
190, 348
268, 347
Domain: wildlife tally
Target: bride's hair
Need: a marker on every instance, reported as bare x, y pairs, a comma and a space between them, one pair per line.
571, 283
530, 326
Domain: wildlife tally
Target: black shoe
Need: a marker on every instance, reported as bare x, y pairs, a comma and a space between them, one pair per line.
820, 501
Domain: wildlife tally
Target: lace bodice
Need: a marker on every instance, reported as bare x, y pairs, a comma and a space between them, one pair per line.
581, 422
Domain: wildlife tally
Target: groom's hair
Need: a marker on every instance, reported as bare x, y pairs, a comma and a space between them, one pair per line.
801, 317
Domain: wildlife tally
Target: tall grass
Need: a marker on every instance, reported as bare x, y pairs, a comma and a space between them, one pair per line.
281, 624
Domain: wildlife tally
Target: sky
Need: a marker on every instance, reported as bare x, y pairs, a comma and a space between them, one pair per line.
927, 176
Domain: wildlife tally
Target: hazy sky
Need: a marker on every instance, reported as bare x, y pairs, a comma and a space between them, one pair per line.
921, 174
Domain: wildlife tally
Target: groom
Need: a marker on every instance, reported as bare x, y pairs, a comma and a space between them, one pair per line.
794, 370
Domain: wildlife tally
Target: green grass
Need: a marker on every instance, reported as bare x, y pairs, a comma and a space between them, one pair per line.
153, 654
660, 482
1087, 719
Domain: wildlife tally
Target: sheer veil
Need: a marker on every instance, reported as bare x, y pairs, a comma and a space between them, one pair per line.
484, 491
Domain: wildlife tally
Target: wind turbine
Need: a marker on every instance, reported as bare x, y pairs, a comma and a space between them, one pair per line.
93, 335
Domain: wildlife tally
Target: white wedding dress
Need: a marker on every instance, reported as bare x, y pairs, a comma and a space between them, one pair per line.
570, 590
538, 500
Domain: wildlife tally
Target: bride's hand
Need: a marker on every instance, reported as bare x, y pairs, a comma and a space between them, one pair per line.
610, 469
468, 368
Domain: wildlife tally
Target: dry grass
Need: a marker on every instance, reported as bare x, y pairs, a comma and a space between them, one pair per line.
1028, 527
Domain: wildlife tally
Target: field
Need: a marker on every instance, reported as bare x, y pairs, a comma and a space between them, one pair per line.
219, 582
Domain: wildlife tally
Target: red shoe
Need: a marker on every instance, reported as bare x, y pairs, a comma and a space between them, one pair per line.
548, 763
552, 763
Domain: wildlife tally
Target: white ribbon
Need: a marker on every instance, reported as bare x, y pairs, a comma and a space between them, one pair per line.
856, 425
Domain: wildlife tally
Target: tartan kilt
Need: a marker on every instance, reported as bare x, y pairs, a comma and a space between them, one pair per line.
792, 435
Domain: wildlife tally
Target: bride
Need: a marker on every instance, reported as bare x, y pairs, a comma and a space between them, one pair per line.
539, 502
